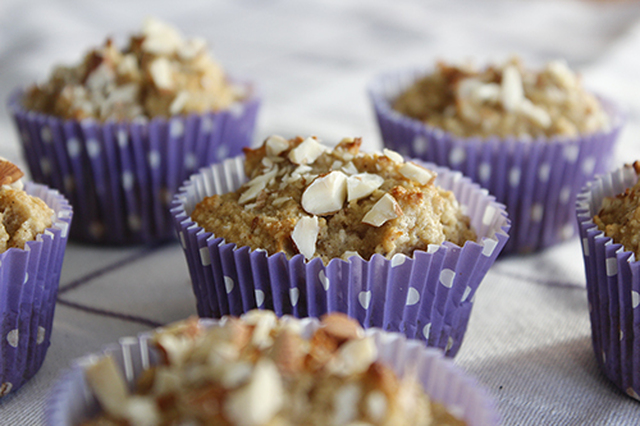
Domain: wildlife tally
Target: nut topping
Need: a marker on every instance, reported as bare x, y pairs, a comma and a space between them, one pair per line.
305, 235
9, 172
326, 194
385, 209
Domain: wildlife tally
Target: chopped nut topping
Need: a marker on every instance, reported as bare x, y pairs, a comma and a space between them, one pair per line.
326, 194
362, 185
305, 235
307, 152
385, 209
417, 173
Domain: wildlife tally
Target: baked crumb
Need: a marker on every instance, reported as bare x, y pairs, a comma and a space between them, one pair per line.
22, 216
159, 73
506, 100
619, 217
302, 197
260, 370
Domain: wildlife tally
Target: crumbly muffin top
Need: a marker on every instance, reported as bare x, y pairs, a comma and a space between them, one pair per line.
22, 216
158, 74
260, 370
303, 197
619, 217
506, 100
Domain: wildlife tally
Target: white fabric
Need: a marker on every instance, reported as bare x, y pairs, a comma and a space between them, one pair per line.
528, 340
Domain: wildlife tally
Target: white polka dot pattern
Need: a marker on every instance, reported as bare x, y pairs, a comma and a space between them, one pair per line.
413, 296
544, 172
46, 135
457, 156
222, 151
123, 140
228, 284
364, 297
176, 128
489, 247
13, 338
514, 177
571, 153
565, 194
73, 147
40, 336
484, 172
398, 259
294, 294
537, 212
420, 145
446, 277
259, 297
323, 280
127, 180
612, 266
93, 148
635, 299
426, 331
205, 259
154, 159
588, 166
45, 166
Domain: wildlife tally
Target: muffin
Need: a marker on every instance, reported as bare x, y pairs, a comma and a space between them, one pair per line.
34, 224
259, 370
532, 138
608, 209
120, 131
301, 229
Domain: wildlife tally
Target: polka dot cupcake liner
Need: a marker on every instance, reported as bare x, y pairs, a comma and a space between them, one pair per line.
120, 176
613, 286
538, 180
428, 296
72, 402
29, 281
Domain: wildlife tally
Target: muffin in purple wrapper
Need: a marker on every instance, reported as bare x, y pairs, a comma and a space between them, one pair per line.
532, 139
120, 132
388, 380
33, 237
378, 254
609, 230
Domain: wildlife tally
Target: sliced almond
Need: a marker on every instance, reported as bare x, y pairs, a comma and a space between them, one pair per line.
341, 327
387, 208
276, 145
362, 185
305, 235
108, 386
512, 91
535, 113
415, 172
161, 73
350, 168
353, 357
160, 37
9, 172
393, 156
256, 185
258, 401
307, 152
326, 194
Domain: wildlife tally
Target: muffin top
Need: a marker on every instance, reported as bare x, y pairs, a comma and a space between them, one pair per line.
260, 370
506, 100
159, 73
303, 197
619, 217
22, 216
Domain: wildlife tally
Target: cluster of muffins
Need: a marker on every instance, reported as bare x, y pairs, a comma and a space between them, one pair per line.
298, 228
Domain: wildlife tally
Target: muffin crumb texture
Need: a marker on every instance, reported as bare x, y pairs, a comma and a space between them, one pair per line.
302, 197
619, 217
506, 100
22, 216
159, 73
260, 370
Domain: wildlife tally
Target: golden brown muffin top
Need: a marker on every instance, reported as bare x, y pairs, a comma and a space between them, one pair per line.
303, 197
22, 216
619, 217
159, 73
505, 100
259, 370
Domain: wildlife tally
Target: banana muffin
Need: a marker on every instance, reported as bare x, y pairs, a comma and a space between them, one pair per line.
303, 197
619, 216
22, 216
504, 100
260, 370
159, 73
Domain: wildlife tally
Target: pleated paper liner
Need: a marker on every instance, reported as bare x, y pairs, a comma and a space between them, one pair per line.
538, 180
71, 400
427, 296
613, 286
120, 176
29, 281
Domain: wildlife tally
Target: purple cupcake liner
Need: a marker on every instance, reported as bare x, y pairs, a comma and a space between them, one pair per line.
29, 281
71, 400
538, 180
613, 286
120, 176
428, 296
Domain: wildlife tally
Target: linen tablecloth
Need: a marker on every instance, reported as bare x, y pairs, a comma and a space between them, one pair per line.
528, 340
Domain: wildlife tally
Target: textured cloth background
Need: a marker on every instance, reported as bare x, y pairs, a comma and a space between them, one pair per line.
528, 340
